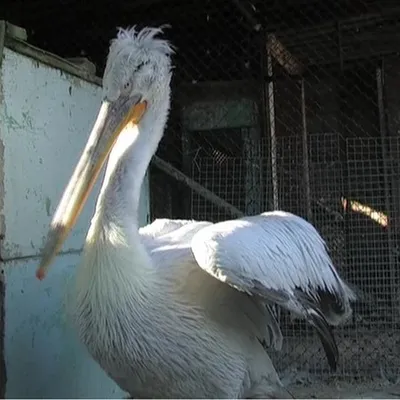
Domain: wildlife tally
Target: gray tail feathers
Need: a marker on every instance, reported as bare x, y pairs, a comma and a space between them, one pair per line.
322, 309
325, 333
335, 307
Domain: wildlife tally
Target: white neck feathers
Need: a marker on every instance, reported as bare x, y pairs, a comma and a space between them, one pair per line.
113, 249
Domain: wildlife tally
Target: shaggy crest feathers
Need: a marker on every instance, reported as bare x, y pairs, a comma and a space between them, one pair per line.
137, 51
144, 39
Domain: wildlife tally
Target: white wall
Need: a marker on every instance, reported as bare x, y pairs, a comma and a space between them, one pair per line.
45, 119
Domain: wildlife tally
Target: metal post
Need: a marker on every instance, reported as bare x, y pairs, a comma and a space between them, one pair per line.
264, 199
306, 164
187, 170
272, 133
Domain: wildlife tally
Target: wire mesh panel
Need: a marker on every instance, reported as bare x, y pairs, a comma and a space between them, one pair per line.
223, 177
321, 204
367, 220
371, 264
349, 208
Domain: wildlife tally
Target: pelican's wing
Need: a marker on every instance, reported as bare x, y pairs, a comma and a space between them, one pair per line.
166, 229
281, 258
173, 247
162, 234
162, 226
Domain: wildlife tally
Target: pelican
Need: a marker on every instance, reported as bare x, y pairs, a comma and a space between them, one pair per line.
180, 308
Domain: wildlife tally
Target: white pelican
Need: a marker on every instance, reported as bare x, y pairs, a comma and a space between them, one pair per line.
180, 309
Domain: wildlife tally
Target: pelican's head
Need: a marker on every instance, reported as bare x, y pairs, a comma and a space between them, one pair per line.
138, 67
137, 74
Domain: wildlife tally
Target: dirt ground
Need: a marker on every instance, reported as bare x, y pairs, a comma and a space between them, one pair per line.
345, 390
376, 354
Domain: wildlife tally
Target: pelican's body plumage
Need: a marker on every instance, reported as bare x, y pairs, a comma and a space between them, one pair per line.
182, 309
171, 330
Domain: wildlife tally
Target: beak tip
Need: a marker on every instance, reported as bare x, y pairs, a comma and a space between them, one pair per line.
53, 244
42, 269
40, 273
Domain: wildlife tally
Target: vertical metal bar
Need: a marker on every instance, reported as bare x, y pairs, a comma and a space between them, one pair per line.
272, 133
264, 198
251, 158
385, 155
344, 160
269, 101
306, 163
342, 144
187, 170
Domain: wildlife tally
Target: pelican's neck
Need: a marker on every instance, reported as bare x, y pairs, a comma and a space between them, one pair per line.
118, 203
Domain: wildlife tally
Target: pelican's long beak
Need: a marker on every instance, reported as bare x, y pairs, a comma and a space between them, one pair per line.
111, 120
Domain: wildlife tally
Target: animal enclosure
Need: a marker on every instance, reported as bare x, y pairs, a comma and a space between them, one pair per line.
293, 106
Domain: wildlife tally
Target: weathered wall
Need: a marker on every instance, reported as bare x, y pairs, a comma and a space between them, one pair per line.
3, 376
45, 118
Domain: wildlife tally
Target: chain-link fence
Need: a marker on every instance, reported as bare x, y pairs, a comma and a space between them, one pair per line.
290, 105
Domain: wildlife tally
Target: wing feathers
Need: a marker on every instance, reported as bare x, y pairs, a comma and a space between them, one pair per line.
279, 257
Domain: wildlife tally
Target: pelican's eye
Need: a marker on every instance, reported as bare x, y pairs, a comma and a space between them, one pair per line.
140, 66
